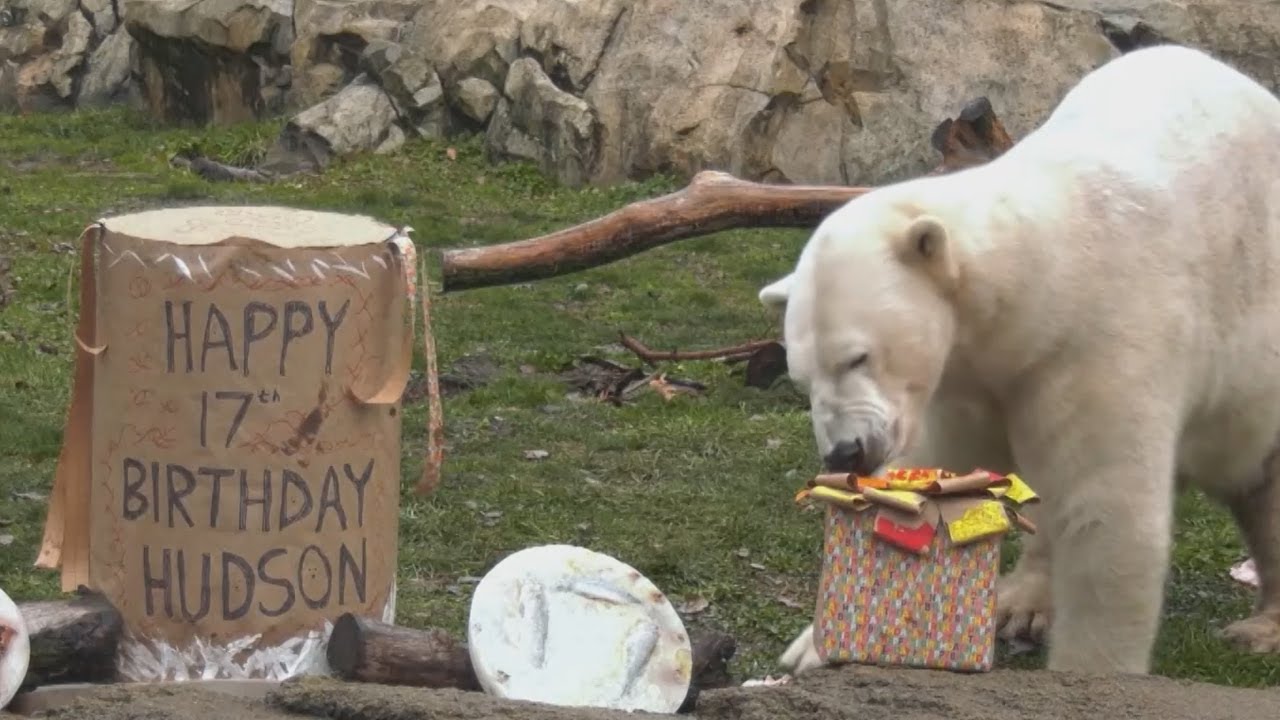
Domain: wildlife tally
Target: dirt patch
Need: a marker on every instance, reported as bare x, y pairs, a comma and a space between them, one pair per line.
853, 692
467, 373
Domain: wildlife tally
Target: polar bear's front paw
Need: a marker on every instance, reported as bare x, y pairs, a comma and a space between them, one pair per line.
1023, 607
1258, 634
802, 655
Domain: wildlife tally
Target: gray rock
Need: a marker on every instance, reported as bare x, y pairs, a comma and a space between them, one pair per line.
44, 44
537, 121
394, 140
102, 13
69, 55
412, 84
476, 98
358, 119
106, 76
231, 25
821, 91
335, 33
470, 39
1241, 33
379, 55
570, 37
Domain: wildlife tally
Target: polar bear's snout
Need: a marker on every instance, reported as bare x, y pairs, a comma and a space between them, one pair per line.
846, 456
854, 443
859, 456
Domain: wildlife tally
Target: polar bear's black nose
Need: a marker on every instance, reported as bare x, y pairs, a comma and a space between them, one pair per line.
848, 456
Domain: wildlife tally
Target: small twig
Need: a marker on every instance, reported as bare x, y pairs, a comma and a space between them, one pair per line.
653, 357
637, 386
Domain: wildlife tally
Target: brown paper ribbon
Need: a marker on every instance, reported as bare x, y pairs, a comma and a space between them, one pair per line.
66, 529
392, 387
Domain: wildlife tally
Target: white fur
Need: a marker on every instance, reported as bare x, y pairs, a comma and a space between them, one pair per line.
1099, 311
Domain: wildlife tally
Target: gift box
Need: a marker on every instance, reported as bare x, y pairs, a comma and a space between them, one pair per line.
910, 562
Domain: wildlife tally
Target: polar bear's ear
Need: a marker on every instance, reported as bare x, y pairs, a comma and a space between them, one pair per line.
774, 296
927, 243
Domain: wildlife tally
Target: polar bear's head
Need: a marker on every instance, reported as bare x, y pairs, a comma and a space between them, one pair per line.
868, 326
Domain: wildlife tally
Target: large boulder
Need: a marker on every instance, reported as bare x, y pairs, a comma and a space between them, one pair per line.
790, 90
828, 91
211, 61
107, 72
537, 121
412, 85
470, 38
331, 37
1242, 33
360, 118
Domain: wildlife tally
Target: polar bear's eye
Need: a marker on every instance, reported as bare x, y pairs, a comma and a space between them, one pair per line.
856, 361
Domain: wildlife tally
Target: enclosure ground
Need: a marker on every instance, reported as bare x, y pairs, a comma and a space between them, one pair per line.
695, 491
854, 693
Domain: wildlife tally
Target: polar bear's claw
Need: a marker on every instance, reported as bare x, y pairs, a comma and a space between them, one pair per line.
1023, 606
1257, 634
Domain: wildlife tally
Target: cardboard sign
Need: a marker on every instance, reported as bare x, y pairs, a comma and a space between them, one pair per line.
244, 467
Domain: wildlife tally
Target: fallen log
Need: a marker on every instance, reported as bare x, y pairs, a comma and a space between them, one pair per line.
72, 640
712, 652
365, 650
712, 202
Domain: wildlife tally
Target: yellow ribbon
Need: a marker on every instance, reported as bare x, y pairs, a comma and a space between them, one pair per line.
1019, 491
982, 520
902, 489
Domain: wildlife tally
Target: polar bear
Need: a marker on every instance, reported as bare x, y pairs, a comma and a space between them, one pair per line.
1098, 309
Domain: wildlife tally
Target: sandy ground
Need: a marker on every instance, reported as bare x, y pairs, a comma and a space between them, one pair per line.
862, 693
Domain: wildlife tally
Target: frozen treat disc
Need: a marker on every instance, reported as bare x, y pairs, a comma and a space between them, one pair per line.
15, 649
564, 625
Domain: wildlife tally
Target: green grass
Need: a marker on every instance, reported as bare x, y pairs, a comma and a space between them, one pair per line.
696, 492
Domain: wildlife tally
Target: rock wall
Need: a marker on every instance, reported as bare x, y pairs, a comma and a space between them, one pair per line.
843, 91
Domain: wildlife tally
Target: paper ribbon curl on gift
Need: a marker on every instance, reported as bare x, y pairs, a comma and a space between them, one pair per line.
911, 502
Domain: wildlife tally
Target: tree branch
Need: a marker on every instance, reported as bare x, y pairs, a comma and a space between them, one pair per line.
712, 202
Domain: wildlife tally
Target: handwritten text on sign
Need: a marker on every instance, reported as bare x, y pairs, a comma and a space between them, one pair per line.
244, 514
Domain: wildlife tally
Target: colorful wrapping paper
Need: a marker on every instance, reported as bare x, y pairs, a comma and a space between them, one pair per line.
910, 566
